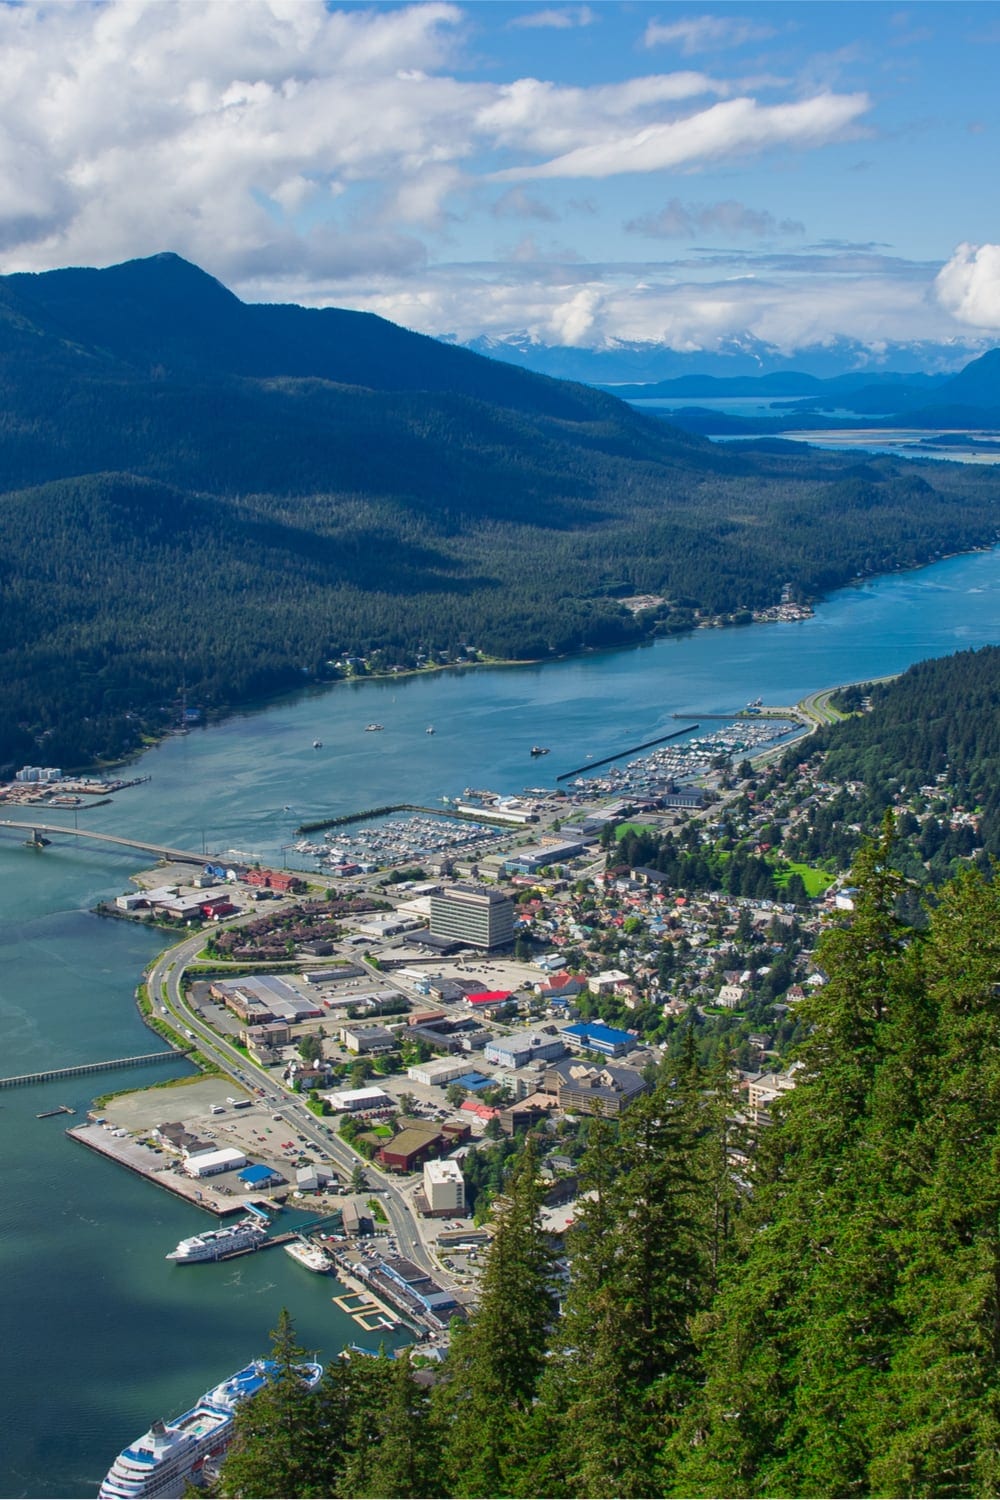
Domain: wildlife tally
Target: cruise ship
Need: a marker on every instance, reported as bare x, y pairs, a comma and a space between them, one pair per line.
248, 1234
173, 1454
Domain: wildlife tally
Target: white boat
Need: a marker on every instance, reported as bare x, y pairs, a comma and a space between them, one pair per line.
429, 729
248, 1234
171, 1455
373, 728
310, 1256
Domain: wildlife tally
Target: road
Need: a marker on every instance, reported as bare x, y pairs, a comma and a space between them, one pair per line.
165, 990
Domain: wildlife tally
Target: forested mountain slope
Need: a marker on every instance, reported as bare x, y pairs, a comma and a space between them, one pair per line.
234, 496
925, 745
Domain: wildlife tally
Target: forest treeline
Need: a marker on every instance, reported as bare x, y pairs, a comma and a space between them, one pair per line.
928, 744
226, 499
811, 1313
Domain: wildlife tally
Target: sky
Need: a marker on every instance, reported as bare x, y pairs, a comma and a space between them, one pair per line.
586, 174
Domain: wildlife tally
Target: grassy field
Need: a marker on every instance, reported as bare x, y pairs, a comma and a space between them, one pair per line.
816, 881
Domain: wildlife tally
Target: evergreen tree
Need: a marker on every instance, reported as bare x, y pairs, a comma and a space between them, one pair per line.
403, 1457
285, 1436
637, 1278
497, 1358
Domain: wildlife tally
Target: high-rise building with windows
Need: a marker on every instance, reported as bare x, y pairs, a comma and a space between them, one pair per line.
473, 914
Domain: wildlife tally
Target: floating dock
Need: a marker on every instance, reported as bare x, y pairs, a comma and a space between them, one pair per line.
606, 760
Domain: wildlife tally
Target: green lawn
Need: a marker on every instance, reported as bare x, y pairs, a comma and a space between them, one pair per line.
815, 880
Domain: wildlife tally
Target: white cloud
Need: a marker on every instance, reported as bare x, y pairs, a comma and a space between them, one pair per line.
969, 285
785, 301
254, 134
705, 33
561, 18
737, 127
677, 220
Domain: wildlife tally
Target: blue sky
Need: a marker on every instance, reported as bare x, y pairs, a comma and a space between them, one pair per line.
585, 173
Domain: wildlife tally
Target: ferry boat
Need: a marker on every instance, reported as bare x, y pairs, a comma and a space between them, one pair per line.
248, 1234
171, 1455
310, 1256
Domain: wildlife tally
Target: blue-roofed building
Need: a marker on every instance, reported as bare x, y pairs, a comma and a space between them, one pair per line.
590, 1036
474, 1082
260, 1176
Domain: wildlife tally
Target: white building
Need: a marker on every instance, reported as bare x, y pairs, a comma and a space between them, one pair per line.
444, 1187
208, 1163
438, 1073
359, 1099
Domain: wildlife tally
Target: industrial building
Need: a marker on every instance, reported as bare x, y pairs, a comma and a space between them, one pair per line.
209, 1163
522, 1047
473, 915
357, 1101
439, 1072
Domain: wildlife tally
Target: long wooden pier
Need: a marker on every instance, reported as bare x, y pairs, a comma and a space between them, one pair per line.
46, 1075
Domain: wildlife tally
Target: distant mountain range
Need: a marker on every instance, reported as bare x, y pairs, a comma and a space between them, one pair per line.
966, 401
240, 498
632, 363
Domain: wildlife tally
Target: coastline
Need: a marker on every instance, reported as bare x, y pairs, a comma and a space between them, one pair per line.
723, 621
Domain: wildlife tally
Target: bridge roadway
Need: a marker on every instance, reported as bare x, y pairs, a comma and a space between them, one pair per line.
181, 856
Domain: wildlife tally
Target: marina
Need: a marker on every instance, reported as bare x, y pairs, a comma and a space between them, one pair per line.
84, 1241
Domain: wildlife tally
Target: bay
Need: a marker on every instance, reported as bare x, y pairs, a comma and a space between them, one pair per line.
102, 1333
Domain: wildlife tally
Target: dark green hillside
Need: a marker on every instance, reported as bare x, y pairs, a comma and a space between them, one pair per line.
936, 727
234, 496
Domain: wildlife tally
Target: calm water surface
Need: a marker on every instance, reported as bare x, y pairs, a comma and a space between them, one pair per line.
102, 1334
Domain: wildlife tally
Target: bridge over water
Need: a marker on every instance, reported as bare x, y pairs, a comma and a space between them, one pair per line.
180, 856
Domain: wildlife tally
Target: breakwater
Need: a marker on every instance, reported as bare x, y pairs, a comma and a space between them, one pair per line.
606, 760
450, 813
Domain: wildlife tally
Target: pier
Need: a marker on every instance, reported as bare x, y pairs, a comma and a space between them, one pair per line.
46, 1075
632, 750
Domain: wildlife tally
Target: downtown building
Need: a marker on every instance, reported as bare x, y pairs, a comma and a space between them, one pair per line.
473, 915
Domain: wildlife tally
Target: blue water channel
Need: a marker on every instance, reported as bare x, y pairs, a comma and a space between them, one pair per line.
102, 1334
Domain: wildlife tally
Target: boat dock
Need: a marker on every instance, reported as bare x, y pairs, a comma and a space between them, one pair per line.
60, 1109
606, 760
144, 1162
284, 1238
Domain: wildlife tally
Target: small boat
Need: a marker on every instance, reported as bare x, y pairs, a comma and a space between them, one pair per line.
317, 744
373, 728
539, 749
429, 729
311, 1256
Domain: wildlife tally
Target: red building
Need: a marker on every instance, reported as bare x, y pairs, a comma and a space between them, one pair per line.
273, 880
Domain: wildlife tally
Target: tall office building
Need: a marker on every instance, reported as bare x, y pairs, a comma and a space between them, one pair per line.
474, 915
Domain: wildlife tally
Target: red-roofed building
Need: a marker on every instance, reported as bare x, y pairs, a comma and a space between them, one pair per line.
481, 1111
561, 985
273, 880
488, 999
